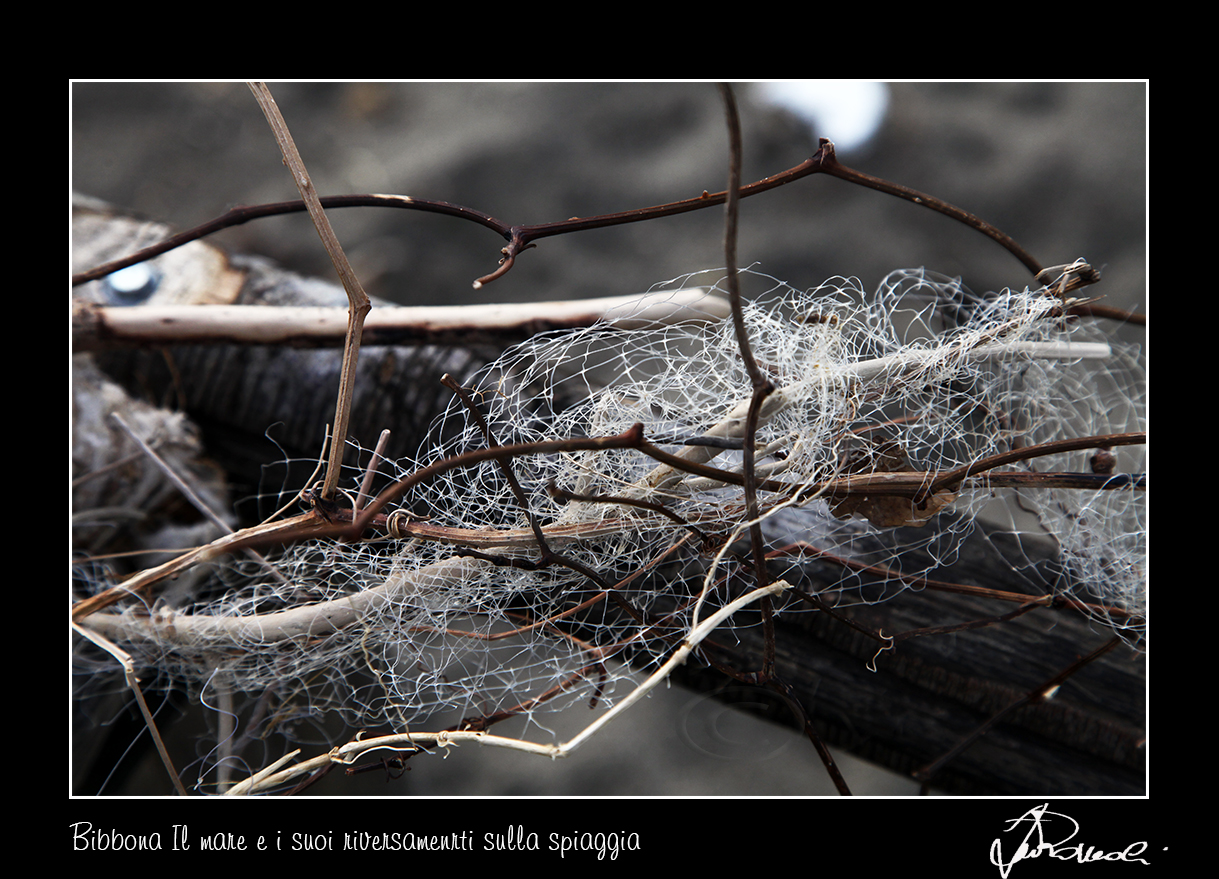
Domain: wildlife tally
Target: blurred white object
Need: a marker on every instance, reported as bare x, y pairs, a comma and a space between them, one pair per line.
847, 112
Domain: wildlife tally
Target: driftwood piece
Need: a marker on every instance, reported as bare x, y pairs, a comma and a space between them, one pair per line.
930, 692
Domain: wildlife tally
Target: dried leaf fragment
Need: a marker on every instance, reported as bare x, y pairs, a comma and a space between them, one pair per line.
889, 511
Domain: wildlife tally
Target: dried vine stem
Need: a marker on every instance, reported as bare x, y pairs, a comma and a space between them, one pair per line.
762, 387
358, 300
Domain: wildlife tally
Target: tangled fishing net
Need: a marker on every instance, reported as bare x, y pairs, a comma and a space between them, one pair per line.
453, 612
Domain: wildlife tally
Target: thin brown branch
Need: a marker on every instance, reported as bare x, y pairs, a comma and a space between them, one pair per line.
1025, 453
547, 554
371, 470
400, 526
563, 495
300, 527
505, 464
731, 220
806, 723
1096, 309
916, 483
1028, 605
242, 214
830, 165
631, 438
188, 492
921, 582
761, 385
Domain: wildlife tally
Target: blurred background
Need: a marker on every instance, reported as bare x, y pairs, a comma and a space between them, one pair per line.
1061, 167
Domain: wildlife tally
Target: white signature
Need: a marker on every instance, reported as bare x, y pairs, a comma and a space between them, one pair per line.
1040, 840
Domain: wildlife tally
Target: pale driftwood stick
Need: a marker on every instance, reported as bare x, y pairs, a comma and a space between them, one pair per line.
96, 327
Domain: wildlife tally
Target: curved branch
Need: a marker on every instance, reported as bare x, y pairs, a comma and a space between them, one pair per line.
521, 238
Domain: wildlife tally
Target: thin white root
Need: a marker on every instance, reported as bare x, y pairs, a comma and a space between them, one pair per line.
347, 753
321, 326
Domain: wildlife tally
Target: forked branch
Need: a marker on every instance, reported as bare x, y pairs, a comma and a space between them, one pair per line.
358, 301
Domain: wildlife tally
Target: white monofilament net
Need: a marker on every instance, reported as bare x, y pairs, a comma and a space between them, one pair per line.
921, 376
